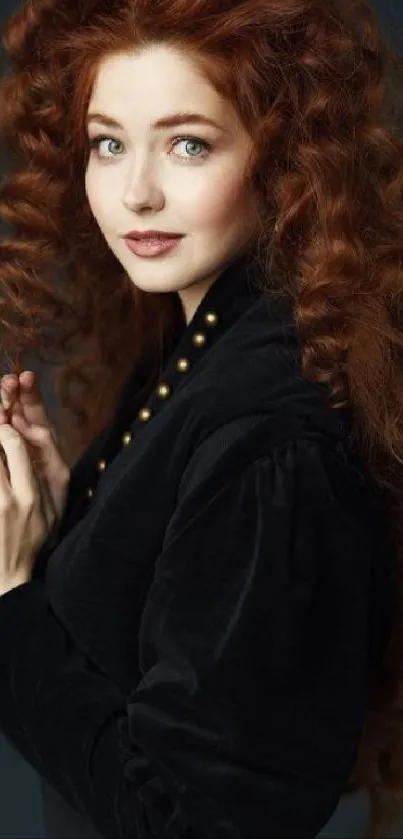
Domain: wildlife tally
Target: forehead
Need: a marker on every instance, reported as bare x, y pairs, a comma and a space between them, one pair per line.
157, 74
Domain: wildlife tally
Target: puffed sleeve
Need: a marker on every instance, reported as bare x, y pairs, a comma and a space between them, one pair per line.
253, 651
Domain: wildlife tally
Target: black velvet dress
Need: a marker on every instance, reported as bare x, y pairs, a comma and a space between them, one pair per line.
193, 658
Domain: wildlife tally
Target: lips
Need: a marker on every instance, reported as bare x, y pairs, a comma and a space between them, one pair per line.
153, 236
147, 247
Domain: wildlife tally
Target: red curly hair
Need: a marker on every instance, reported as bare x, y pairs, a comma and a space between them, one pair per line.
310, 80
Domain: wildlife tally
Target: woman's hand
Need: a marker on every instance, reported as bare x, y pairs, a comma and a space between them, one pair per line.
23, 524
23, 408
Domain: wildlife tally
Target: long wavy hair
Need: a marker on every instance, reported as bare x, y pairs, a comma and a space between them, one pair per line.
314, 83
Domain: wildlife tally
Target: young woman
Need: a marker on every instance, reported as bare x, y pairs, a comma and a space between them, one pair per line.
200, 569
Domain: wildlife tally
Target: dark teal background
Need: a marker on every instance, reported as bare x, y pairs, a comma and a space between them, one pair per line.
22, 811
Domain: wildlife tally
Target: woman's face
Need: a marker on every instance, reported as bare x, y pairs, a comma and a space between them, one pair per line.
186, 178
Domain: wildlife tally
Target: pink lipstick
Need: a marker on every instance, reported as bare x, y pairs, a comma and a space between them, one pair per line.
151, 247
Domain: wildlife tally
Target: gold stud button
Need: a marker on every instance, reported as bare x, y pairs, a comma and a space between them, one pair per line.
127, 438
211, 319
183, 365
144, 415
90, 493
199, 339
101, 465
163, 391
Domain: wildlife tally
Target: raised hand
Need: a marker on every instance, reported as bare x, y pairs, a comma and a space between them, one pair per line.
24, 410
23, 524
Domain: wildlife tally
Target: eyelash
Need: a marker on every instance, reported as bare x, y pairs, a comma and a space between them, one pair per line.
95, 142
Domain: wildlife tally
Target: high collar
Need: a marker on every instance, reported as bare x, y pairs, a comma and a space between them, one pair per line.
229, 297
232, 294
236, 287
245, 317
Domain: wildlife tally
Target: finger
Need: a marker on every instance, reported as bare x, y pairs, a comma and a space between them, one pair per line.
5, 486
31, 399
3, 461
37, 491
48, 507
22, 478
42, 438
46, 499
20, 424
3, 416
48, 463
9, 396
9, 387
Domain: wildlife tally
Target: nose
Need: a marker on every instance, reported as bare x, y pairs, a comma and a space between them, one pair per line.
143, 190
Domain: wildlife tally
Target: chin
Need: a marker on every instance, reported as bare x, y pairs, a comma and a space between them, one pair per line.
156, 283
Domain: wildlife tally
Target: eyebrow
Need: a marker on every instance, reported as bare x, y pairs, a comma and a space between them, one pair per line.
170, 121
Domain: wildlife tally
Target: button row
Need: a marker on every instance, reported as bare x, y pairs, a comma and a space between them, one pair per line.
163, 391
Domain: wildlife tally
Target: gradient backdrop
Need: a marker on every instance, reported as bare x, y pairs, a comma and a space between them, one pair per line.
22, 814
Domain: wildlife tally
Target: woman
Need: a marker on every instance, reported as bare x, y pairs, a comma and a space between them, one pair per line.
199, 587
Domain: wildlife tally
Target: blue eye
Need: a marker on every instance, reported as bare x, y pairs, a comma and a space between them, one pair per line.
193, 141
95, 143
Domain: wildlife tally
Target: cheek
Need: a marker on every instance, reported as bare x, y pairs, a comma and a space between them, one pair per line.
89, 191
95, 192
214, 202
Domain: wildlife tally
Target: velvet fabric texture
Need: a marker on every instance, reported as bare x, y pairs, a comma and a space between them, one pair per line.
192, 659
